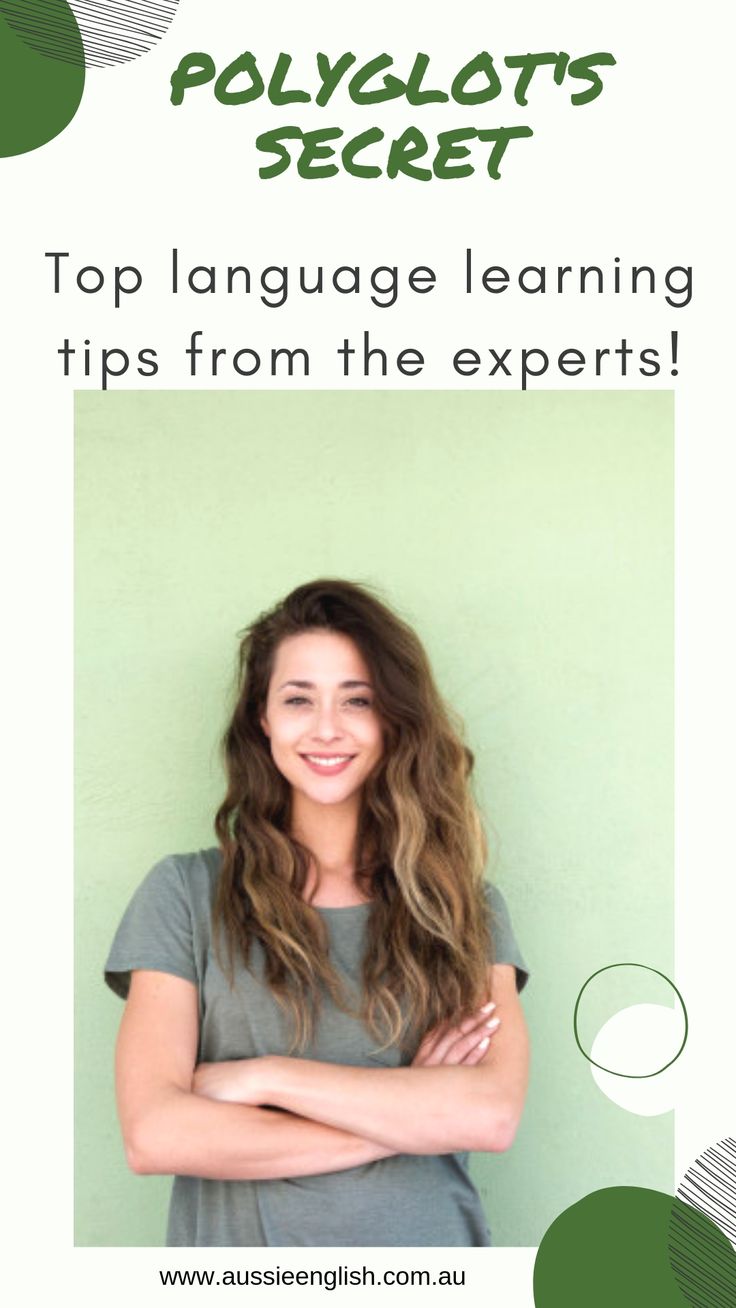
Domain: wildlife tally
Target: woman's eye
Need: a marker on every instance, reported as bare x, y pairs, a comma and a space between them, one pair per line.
355, 701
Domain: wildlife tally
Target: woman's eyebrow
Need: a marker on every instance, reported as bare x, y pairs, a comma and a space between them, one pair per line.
309, 685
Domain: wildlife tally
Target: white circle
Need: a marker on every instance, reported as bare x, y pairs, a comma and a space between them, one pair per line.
636, 1041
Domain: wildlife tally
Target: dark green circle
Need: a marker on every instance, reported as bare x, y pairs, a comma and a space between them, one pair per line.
630, 1076
39, 92
614, 1247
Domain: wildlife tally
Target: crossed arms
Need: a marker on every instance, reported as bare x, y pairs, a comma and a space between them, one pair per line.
208, 1121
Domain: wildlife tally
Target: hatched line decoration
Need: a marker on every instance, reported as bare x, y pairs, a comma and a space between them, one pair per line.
710, 1185
112, 31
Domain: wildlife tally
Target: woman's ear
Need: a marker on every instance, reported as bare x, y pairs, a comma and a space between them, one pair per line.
264, 725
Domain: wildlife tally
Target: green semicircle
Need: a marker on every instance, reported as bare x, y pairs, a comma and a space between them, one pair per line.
39, 92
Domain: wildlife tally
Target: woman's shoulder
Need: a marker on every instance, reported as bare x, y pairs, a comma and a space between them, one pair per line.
505, 948
182, 884
193, 875
167, 924
494, 900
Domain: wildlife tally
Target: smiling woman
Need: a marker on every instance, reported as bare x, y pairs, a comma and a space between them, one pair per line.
320, 715
337, 958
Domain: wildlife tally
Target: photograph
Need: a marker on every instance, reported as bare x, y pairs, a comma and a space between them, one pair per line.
374, 768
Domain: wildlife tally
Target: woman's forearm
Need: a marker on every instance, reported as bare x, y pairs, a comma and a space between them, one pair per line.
408, 1110
427, 1108
187, 1135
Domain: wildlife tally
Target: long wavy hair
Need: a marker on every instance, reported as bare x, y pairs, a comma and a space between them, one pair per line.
420, 843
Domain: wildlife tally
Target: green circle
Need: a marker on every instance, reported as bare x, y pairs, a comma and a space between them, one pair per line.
39, 92
614, 1247
630, 1076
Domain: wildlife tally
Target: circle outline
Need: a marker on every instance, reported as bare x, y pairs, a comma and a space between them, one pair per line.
630, 1076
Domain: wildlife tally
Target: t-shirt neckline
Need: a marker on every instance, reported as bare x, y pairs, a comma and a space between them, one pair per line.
343, 908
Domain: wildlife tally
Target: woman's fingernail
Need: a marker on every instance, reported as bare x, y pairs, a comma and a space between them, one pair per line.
488, 1008
484, 1043
492, 1025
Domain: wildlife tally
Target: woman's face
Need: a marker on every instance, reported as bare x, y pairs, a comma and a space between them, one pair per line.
325, 733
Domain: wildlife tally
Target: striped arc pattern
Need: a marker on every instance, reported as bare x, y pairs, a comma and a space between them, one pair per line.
704, 1265
710, 1185
112, 31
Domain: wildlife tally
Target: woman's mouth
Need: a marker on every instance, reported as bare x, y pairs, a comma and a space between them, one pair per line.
328, 763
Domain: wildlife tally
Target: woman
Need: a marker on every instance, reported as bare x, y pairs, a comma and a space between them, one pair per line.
309, 1043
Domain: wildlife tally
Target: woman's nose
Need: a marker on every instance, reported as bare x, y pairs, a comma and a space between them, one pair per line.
327, 723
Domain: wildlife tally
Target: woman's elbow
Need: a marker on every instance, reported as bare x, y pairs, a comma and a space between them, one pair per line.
498, 1130
152, 1131
143, 1152
136, 1160
503, 1134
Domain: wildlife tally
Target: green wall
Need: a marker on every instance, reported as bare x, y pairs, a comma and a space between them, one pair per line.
529, 538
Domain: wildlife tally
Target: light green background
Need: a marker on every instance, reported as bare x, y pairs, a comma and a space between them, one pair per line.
529, 539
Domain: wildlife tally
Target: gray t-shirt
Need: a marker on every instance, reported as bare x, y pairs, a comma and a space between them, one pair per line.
404, 1200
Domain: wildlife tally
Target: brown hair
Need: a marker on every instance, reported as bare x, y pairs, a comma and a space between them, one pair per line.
420, 852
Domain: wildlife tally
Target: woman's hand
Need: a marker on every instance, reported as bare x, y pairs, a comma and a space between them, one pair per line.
463, 1044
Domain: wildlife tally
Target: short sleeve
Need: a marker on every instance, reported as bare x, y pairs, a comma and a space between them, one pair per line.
505, 947
155, 932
